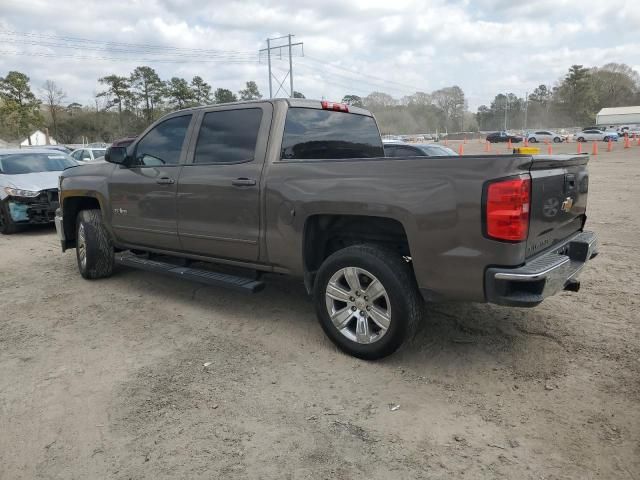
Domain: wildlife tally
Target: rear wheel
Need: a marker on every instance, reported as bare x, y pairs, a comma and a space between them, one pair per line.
581, 139
94, 248
7, 225
557, 140
367, 300
605, 139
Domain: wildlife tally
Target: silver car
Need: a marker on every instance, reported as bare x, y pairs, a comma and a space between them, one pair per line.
596, 135
29, 186
88, 154
545, 136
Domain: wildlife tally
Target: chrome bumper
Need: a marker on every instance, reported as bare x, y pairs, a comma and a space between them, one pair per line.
542, 276
60, 229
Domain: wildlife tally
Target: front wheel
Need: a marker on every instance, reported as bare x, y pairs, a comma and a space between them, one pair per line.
605, 139
367, 300
581, 139
557, 140
533, 140
94, 248
7, 225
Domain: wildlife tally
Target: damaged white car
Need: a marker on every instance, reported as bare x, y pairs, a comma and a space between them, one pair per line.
29, 186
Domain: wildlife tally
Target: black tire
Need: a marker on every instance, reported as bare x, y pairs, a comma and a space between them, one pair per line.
581, 139
533, 140
605, 139
557, 140
397, 278
98, 246
7, 225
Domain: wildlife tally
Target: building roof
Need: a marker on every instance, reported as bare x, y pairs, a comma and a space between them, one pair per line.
620, 111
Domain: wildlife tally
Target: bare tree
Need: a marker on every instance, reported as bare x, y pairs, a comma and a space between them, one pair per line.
52, 97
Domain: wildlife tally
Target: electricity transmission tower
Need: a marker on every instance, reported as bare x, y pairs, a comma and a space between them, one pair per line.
288, 46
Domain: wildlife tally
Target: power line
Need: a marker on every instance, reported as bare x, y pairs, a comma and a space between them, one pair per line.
138, 46
327, 64
137, 59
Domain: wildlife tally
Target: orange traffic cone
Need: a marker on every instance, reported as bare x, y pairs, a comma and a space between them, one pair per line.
627, 144
579, 147
549, 149
461, 149
445, 142
638, 144
594, 151
609, 146
464, 140
526, 142
509, 145
487, 146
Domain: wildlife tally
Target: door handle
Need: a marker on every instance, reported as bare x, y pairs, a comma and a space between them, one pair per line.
165, 181
243, 182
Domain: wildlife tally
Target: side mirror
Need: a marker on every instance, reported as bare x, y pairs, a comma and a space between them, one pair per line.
116, 155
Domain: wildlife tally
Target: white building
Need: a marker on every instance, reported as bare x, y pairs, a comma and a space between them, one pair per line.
38, 138
618, 116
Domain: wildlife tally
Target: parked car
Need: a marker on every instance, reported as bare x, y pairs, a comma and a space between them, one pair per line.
302, 188
545, 136
498, 137
58, 148
394, 149
88, 154
29, 186
596, 135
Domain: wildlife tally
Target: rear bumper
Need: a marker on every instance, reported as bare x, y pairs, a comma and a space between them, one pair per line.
543, 275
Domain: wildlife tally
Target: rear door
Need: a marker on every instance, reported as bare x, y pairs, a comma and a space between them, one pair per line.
143, 194
558, 200
218, 199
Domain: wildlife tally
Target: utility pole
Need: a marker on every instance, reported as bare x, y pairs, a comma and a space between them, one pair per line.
269, 61
506, 107
289, 46
526, 109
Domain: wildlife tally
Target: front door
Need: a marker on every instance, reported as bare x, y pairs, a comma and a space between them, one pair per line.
143, 193
219, 187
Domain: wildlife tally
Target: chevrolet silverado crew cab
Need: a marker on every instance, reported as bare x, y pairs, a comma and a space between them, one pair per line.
302, 188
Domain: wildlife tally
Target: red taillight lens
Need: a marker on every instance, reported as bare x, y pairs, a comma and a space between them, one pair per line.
336, 107
508, 203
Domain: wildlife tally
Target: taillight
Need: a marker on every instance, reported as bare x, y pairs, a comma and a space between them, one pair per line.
507, 210
336, 107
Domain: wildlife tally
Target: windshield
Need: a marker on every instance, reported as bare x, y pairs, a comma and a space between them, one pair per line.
20, 163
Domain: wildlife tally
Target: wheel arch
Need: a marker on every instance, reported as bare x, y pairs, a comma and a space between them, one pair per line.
325, 234
71, 206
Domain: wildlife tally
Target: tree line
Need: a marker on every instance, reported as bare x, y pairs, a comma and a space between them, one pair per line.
573, 101
125, 105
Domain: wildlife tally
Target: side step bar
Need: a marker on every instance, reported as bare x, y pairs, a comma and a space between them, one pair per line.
207, 277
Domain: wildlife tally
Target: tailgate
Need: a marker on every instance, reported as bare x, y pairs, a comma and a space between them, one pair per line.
559, 189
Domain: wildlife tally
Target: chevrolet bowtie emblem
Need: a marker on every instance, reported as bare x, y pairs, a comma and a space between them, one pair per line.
567, 204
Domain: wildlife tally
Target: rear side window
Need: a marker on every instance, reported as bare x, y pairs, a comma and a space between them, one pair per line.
228, 136
323, 134
163, 144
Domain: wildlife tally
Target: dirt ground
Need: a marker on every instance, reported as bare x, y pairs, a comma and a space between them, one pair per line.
105, 379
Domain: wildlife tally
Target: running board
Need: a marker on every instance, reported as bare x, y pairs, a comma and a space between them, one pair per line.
207, 277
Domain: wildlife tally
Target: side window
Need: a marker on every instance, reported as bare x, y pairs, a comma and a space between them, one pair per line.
541, 133
76, 154
163, 144
86, 156
228, 136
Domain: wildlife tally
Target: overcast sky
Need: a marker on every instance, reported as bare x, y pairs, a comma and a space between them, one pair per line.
350, 46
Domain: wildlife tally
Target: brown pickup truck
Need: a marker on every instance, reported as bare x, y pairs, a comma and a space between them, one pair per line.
302, 188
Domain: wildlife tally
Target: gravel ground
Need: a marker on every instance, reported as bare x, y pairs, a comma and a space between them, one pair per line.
105, 379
